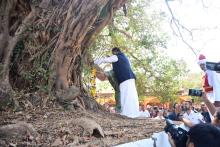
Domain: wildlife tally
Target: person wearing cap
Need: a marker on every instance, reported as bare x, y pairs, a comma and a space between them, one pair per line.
211, 82
126, 79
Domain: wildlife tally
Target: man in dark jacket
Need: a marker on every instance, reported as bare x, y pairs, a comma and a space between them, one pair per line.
126, 79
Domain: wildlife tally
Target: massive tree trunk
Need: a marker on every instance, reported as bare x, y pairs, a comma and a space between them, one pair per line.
56, 35
11, 28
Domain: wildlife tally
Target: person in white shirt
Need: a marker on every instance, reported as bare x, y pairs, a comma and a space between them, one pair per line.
126, 79
190, 118
144, 112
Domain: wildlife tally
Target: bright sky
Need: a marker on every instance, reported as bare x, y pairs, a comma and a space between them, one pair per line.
202, 18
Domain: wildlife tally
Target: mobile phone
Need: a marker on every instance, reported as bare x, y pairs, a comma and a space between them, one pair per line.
195, 92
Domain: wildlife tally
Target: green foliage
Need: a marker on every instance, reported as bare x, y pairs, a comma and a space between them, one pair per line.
37, 79
140, 36
30, 76
192, 81
167, 78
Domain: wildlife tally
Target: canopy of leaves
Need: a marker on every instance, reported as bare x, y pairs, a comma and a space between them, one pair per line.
140, 36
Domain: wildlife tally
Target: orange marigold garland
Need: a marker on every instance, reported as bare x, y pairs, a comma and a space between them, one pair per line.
93, 83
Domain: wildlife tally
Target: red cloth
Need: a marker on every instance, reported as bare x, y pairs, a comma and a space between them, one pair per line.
206, 86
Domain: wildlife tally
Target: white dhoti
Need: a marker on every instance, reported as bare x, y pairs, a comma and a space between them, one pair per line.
129, 99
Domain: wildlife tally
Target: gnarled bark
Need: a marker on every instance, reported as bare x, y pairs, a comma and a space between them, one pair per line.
11, 28
62, 31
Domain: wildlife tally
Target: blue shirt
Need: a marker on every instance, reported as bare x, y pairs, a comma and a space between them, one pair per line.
173, 116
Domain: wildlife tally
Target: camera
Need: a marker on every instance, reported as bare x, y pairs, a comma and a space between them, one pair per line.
195, 92
178, 134
213, 66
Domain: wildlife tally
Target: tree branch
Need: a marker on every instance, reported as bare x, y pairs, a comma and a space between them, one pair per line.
178, 25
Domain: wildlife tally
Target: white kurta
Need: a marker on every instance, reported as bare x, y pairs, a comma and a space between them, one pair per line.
214, 81
128, 92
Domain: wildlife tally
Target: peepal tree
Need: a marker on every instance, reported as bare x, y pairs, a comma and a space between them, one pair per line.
53, 35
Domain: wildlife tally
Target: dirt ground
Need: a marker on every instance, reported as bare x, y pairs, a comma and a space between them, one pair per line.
57, 127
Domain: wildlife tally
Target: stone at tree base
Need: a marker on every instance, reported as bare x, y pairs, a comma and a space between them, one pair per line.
67, 98
69, 94
90, 127
19, 131
57, 142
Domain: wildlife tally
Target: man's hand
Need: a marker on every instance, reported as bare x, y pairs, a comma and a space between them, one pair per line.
180, 117
171, 141
204, 97
187, 122
101, 76
209, 104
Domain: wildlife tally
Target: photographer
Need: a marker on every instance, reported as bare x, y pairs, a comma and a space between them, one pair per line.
200, 135
213, 110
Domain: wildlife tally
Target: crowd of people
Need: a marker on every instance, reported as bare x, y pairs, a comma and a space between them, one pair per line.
198, 121
203, 127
